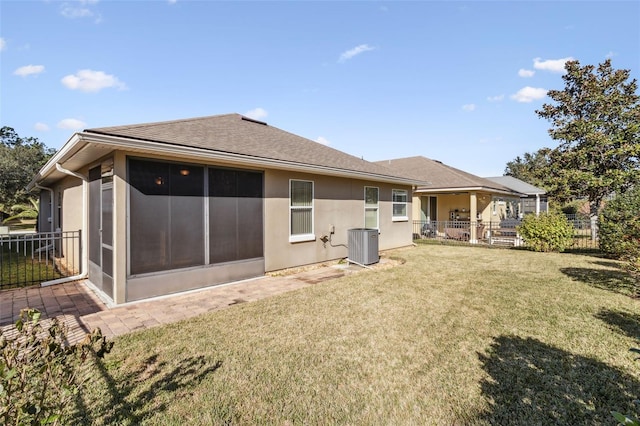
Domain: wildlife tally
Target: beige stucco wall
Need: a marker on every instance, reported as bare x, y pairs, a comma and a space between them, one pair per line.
71, 189
338, 203
69, 217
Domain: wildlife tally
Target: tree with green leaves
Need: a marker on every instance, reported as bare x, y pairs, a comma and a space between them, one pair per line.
531, 167
596, 119
20, 160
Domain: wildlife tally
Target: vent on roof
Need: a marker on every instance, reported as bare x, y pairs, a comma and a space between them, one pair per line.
254, 121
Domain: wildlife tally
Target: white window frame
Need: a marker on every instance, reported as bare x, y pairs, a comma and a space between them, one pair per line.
302, 237
406, 205
372, 207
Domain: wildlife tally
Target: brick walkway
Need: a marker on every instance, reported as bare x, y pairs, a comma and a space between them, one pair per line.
82, 310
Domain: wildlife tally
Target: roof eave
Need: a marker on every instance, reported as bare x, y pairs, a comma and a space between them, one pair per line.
467, 189
73, 145
79, 140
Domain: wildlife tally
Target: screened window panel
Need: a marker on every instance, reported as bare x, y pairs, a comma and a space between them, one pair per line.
107, 216
301, 221
301, 207
400, 210
250, 235
187, 231
150, 177
235, 215
371, 218
399, 197
149, 211
187, 216
222, 183
249, 184
149, 230
187, 181
371, 199
166, 216
223, 229
301, 193
94, 215
371, 196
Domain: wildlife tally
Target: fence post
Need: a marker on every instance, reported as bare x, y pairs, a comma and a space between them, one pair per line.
594, 228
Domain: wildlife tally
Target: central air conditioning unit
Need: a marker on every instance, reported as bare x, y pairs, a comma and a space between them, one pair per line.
363, 246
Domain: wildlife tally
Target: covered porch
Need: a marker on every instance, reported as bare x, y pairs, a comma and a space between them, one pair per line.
471, 216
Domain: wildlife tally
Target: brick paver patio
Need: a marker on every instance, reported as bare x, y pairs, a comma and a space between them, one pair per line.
82, 310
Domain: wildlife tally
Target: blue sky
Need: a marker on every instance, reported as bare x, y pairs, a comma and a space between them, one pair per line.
454, 81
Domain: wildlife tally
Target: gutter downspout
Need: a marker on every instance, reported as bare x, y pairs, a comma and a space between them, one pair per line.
51, 213
85, 259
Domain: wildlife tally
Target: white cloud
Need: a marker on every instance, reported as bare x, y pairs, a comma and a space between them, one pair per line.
469, 107
553, 65
611, 54
41, 127
72, 12
323, 141
526, 73
528, 94
257, 113
354, 52
28, 70
3, 44
80, 9
71, 124
497, 98
92, 81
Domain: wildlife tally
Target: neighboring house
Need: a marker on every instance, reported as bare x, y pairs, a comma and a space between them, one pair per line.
178, 205
533, 199
454, 195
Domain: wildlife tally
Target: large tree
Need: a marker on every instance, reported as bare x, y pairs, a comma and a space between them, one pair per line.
596, 119
20, 160
531, 167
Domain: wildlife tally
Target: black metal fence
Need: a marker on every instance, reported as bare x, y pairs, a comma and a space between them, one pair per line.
27, 259
498, 233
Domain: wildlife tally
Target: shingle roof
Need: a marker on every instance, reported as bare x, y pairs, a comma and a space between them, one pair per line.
439, 175
517, 185
233, 133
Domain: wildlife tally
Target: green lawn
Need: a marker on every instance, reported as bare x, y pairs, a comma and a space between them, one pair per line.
18, 268
456, 335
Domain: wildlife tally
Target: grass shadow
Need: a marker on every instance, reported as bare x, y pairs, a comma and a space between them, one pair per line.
608, 264
586, 251
616, 281
132, 399
531, 382
625, 323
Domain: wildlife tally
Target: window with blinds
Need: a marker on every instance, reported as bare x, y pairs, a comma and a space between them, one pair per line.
301, 211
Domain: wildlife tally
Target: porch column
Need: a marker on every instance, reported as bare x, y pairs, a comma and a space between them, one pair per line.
537, 204
119, 228
473, 218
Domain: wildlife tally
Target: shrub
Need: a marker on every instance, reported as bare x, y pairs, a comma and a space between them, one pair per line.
629, 419
546, 232
619, 229
40, 373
